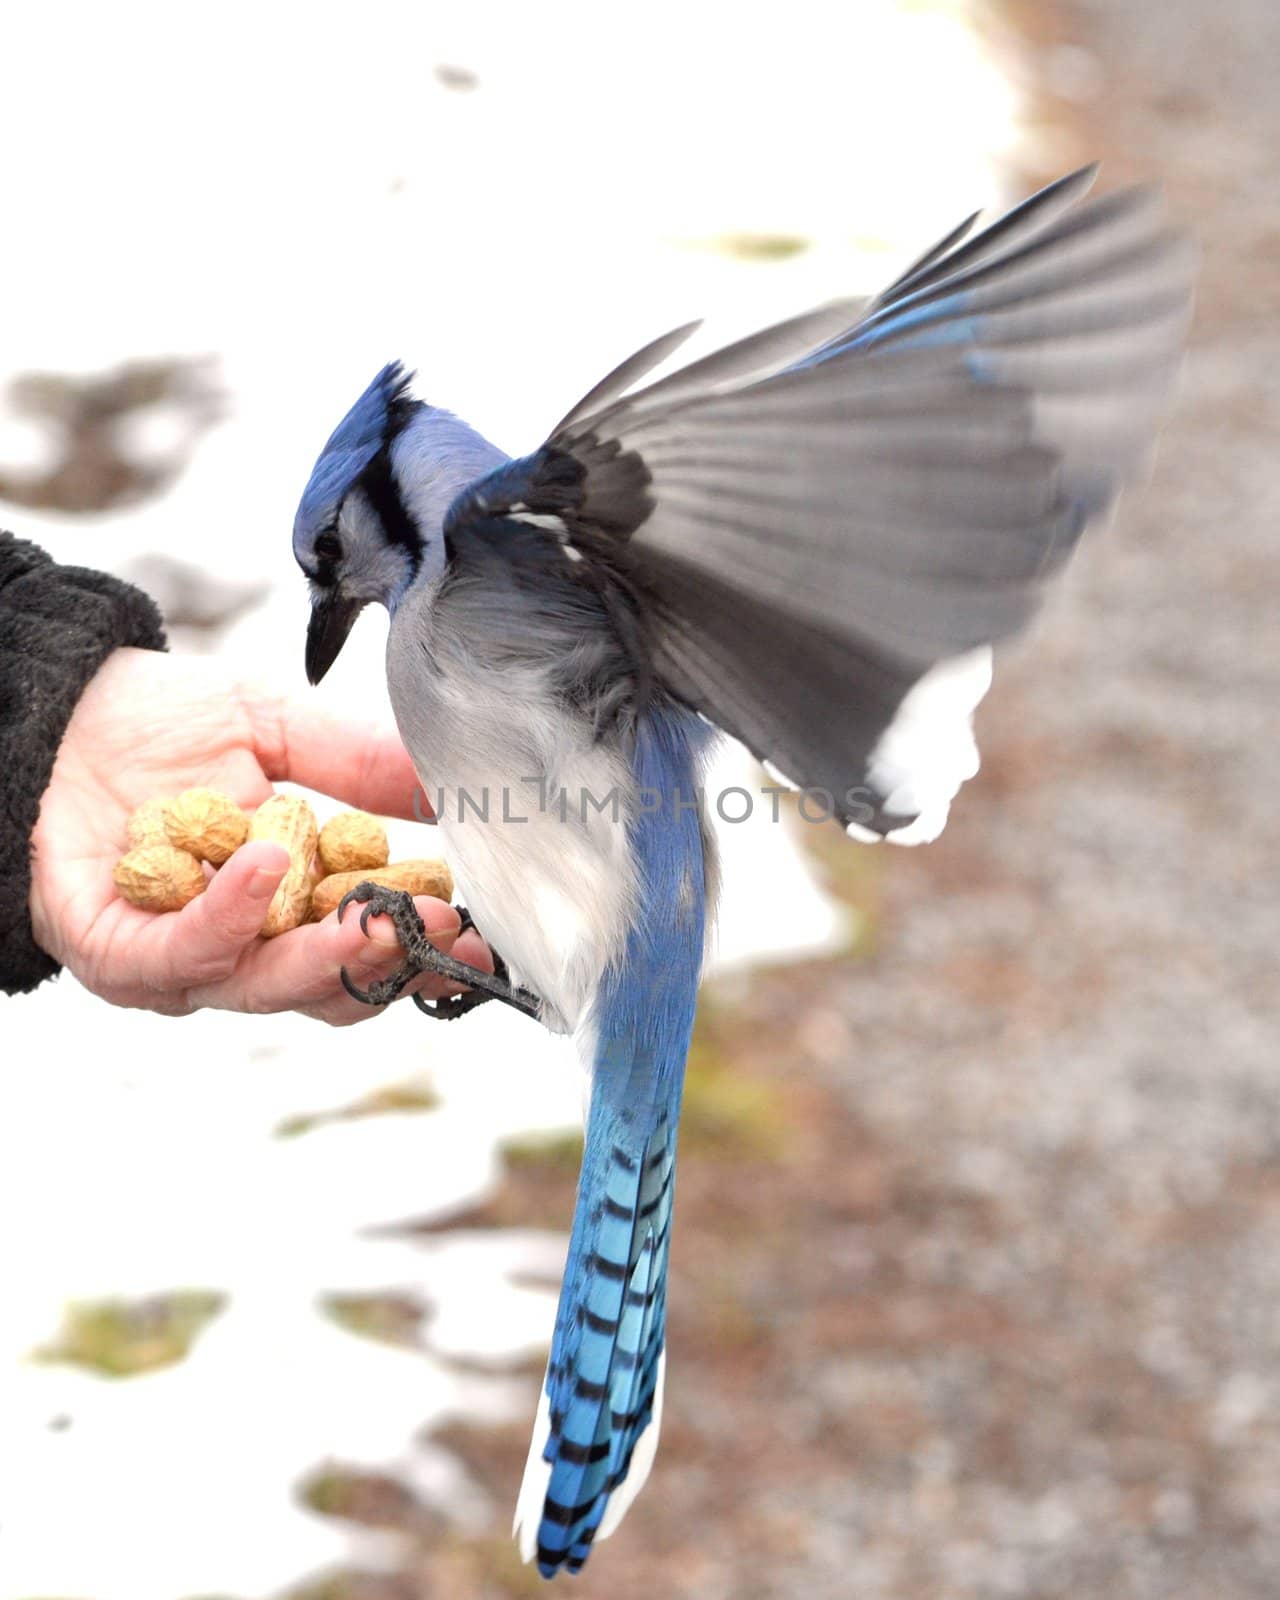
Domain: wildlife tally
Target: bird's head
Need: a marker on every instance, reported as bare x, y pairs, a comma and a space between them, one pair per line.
353, 535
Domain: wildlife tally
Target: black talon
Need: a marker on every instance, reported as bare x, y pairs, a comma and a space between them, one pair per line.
356, 994
422, 956
450, 1006
353, 894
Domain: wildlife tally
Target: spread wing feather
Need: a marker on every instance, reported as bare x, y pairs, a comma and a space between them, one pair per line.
814, 522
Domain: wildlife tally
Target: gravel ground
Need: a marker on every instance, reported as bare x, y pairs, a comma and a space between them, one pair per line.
997, 1311
1074, 1022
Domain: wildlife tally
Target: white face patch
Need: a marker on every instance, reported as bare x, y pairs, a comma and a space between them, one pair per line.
372, 569
928, 750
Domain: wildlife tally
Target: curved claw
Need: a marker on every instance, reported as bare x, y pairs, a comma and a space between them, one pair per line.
449, 1006
362, 995
364, 919
352, 894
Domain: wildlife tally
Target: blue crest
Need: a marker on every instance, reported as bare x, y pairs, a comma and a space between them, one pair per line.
375, 418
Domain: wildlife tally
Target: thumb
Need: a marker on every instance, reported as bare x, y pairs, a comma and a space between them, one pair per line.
210, 934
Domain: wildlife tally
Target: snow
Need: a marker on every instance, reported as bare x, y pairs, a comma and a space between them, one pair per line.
293, 190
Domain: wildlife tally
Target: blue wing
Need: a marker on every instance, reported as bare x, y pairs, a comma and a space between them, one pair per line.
815, 519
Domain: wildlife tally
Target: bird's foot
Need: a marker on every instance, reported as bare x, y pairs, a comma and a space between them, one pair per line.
422, 956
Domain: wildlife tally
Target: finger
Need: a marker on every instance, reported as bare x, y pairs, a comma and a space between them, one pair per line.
204, 941
300, 969
379, 960
377, 956
473, 952
364, 766
382, 955
385, 950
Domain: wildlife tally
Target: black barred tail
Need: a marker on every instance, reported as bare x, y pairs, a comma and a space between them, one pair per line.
598, 1426
597, 1429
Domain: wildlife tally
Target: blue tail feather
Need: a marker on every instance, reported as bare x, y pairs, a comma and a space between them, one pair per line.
603, 1378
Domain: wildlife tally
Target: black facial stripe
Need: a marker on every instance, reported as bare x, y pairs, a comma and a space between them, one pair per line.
383, 493
400, 411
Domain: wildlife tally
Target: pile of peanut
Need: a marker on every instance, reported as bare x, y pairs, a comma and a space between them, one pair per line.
170, 839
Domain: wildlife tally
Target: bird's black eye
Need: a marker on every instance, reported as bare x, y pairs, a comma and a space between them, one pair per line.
329, 546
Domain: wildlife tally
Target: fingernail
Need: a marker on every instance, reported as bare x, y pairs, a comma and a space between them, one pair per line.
263, 883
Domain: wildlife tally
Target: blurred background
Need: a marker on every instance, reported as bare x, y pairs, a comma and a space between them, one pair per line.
975, 1287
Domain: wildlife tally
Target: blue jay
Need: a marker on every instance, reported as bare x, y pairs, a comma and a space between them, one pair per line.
809, 540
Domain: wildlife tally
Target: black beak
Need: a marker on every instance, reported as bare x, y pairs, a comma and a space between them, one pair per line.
332, 616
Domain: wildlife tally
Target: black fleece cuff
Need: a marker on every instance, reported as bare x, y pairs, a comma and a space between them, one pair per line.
57, 626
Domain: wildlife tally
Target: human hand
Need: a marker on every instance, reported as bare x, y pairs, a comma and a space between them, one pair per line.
150, 724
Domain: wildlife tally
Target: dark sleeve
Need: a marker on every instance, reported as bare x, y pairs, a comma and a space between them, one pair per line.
57, 626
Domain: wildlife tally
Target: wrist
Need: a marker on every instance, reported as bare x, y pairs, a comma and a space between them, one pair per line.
58, 625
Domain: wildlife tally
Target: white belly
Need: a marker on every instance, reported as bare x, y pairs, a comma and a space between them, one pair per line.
549, 898
547, 873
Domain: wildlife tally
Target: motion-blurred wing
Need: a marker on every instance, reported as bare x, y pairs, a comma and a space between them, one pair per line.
826, 526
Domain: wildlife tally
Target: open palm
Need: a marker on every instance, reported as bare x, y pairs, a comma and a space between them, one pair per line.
151, 724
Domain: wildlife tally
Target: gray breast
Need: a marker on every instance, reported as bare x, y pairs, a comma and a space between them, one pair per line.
534, 804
